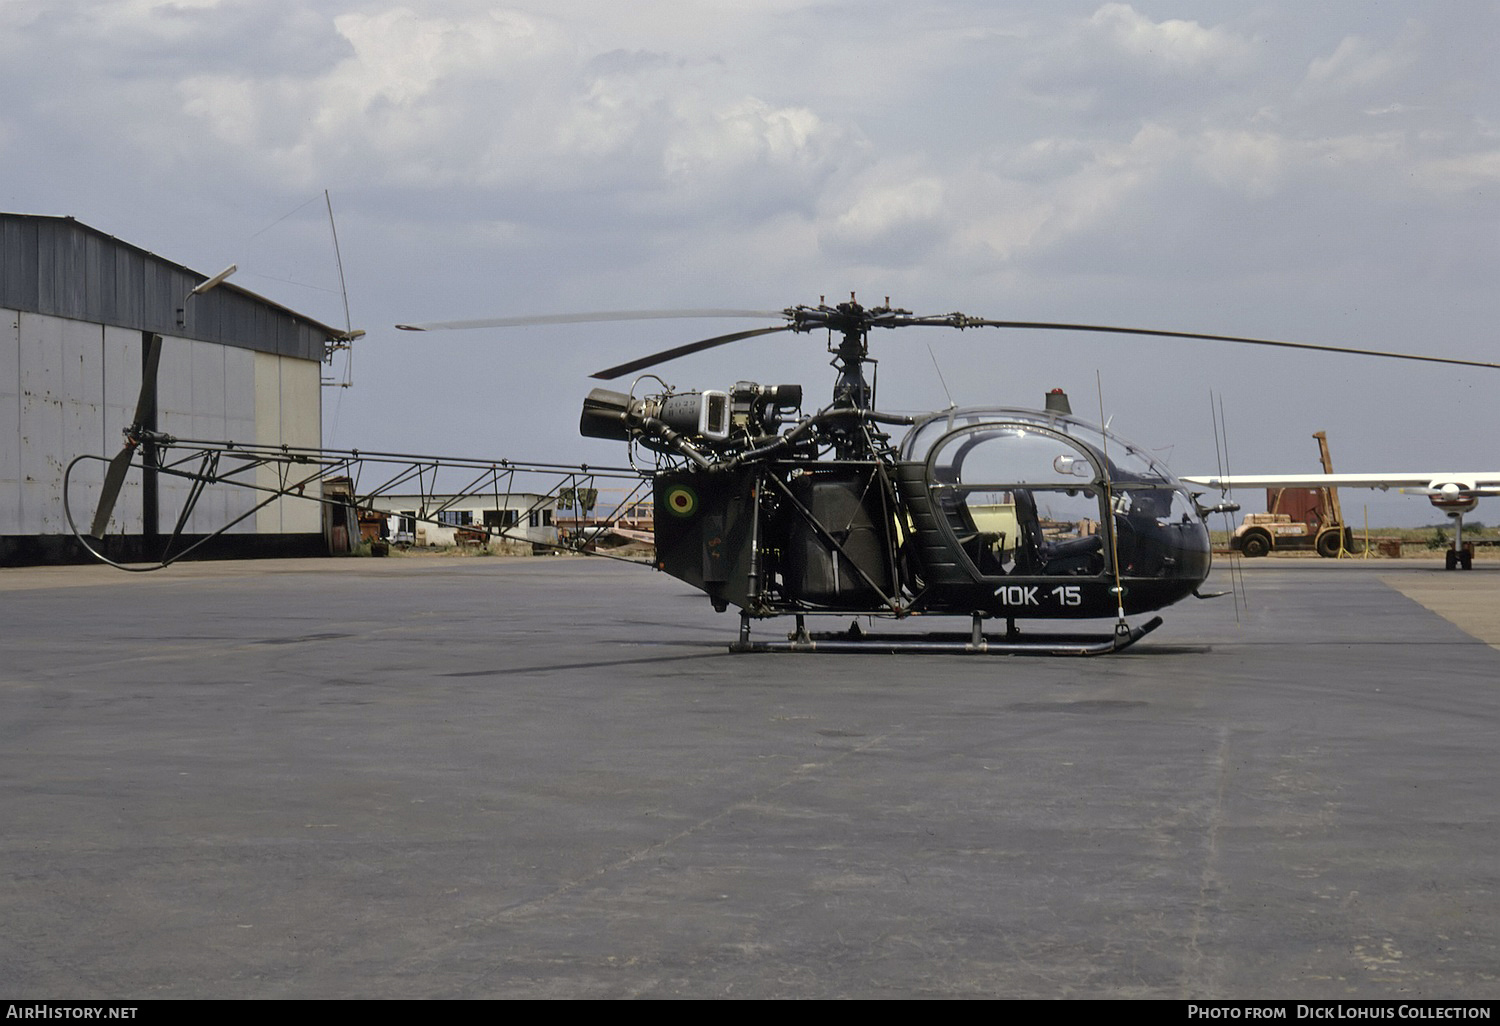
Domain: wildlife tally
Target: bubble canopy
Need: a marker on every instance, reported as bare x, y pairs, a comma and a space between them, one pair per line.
1008, 495
1040, 447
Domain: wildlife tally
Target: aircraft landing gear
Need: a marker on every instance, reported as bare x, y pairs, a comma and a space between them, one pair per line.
975, 642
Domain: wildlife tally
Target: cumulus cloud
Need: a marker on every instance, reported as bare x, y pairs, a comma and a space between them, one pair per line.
891, 218
1250, 162
1358, 63
1117, 60
414, 97
503, 99
1172, 45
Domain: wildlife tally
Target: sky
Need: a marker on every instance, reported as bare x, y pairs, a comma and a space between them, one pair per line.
1325, 173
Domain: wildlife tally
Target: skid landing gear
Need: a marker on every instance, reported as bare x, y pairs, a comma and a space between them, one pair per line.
973, 643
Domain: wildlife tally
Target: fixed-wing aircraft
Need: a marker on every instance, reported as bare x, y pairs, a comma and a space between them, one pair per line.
1454, 493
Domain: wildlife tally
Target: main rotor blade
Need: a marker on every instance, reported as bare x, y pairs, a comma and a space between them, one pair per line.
691, 347
588, 318
959, 320
146, 402
114, 477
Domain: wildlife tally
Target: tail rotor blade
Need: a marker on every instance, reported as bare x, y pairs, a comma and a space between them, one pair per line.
114, 477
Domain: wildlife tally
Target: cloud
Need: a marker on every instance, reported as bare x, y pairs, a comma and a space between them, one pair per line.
892, 217
501, 99
412, 98
1462, 173
1359, 64
1250, 162
1172, 46
1117, 60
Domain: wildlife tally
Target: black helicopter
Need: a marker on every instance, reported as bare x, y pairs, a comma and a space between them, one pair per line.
993, 513
989, 513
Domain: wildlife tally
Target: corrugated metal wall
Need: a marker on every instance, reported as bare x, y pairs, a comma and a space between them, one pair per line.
61, 267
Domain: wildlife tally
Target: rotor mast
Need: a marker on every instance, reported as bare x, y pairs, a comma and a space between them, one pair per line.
851, 390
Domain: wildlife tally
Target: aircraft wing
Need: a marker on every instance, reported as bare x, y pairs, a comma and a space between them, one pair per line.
1425, 482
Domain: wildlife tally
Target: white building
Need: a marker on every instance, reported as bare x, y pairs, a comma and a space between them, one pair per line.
512, 522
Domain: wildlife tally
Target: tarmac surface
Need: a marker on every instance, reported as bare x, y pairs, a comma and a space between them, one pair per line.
424, 777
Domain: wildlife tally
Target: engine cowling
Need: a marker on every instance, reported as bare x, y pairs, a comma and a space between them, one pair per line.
1453, 497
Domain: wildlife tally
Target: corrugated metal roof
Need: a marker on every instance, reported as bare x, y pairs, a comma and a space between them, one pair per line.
65, 268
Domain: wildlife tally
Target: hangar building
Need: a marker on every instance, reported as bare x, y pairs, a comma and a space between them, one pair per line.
77, 310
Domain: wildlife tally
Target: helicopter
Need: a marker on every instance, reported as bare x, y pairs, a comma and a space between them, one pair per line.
985, 512
991, 513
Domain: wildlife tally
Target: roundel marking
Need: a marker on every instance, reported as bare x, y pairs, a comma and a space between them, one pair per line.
682, 501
